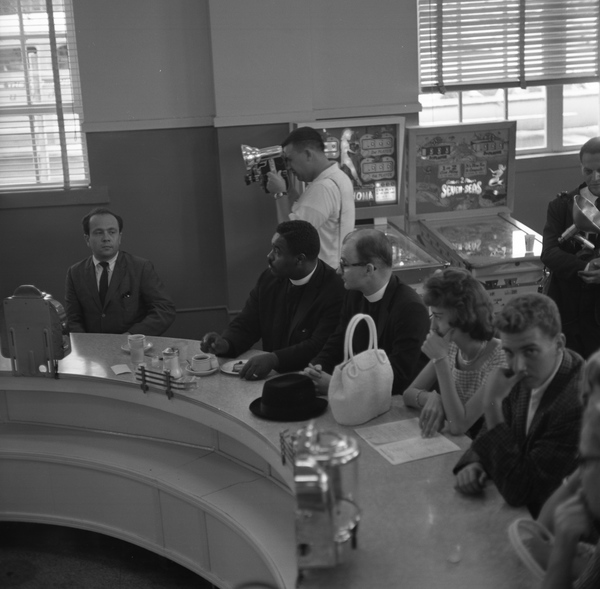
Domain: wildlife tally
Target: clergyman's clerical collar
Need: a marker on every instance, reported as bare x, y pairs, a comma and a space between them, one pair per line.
304, 280
377, 296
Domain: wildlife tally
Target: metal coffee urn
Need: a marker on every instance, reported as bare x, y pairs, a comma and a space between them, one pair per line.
326, 476
33, 332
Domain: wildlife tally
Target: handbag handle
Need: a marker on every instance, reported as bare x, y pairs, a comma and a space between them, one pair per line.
348, 349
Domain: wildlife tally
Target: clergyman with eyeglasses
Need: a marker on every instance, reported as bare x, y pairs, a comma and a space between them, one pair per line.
401, 318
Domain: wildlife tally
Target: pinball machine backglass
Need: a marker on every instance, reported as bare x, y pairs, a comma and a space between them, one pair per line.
460, 199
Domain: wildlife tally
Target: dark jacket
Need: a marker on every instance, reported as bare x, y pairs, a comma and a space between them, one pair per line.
528, 467
402, 325
136, 300
565, 260
294, 341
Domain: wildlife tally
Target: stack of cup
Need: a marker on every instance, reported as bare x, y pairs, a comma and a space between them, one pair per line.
529, 243
137, 344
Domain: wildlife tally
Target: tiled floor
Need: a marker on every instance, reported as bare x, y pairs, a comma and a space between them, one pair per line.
36, 556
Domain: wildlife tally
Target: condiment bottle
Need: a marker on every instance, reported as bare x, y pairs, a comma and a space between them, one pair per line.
171, 362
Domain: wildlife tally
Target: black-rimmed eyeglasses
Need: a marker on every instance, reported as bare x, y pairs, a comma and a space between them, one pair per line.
345, 265
583, 460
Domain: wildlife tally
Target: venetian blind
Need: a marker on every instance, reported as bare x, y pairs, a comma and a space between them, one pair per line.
474, 44
41, 143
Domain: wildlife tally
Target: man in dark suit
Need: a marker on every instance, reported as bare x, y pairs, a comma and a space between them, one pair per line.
532, 415
575, 270
401, 317
293, 307
113, 291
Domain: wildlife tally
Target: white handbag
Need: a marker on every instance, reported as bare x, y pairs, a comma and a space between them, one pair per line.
361, 387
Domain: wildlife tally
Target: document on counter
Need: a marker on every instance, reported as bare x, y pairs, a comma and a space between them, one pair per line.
401, 441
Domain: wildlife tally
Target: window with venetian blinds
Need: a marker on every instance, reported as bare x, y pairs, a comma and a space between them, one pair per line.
41, 143
478, 44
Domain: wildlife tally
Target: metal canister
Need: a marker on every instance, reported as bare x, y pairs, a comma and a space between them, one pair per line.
327, 514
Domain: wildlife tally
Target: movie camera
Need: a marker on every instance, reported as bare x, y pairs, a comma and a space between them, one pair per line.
259, 162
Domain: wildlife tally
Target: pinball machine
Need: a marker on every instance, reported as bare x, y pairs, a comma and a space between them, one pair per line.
371, 152
460, 202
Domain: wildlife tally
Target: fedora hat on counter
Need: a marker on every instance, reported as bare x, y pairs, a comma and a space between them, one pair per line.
289, 397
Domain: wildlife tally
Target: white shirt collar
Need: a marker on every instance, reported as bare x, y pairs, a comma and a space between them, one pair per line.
111, 263
538, 393
304, 280
377, 296
326, 172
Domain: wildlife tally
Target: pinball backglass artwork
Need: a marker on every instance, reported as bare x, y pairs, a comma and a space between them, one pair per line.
455, 169
370, 151
460, 200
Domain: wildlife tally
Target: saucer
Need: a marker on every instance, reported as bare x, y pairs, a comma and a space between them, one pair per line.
227, 368
193, 372
127, 350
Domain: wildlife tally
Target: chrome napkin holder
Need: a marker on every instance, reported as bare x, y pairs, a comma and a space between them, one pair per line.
162, 380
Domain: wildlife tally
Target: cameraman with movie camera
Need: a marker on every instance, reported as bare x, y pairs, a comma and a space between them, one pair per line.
327, 202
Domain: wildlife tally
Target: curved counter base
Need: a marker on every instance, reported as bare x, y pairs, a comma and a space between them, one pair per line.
169, 490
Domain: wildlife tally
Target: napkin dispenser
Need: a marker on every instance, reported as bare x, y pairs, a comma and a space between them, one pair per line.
326, 477
259, 162
34, 333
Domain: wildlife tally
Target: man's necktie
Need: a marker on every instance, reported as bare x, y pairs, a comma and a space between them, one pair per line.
103, 287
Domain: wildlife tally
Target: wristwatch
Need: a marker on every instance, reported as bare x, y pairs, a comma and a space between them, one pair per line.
279, 195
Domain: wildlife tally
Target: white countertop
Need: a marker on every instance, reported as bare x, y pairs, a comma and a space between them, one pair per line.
416, 529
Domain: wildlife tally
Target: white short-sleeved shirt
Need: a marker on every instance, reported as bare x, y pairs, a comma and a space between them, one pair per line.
327, 203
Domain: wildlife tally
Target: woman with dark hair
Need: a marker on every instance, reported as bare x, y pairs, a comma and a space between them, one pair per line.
462, 350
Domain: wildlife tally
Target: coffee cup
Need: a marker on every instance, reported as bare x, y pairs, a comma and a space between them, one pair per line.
204, 362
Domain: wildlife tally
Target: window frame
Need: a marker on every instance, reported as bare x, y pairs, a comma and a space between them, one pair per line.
66, 190
470, 44
554, 116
